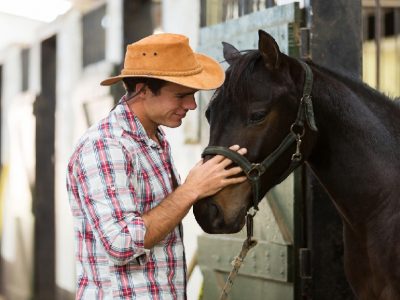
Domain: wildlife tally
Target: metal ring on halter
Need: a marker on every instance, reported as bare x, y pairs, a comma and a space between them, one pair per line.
297, 157
292, 127
252, 211
254, 173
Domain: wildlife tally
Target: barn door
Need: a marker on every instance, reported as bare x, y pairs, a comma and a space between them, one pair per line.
44, 198
270, 268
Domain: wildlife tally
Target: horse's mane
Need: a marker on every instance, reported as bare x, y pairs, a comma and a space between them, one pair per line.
239, 75
397, 101
240, 72
236, 88
361, 88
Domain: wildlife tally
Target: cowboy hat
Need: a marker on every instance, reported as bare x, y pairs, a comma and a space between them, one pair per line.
169, 57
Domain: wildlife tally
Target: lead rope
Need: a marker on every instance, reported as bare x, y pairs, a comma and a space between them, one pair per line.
248, 243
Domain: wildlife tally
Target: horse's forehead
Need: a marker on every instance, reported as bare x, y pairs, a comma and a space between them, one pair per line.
247, 81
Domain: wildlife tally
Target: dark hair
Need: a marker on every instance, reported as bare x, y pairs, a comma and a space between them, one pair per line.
153, 84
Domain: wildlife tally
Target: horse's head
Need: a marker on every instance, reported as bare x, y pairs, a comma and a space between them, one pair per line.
255, 108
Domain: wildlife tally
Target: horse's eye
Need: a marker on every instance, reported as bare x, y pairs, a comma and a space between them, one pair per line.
257, 116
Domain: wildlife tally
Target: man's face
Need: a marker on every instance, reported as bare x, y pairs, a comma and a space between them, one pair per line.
170, 106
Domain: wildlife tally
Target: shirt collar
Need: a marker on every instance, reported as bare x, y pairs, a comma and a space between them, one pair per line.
132, 125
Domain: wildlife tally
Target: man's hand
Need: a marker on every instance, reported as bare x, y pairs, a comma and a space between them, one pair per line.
207, 178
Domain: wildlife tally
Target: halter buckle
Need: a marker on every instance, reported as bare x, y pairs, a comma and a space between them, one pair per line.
252, 211
297, 156
255, 172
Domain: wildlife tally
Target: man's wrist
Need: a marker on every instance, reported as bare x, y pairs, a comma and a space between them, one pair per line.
189, 192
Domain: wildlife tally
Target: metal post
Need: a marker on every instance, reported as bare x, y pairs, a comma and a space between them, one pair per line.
378, 31
335, 43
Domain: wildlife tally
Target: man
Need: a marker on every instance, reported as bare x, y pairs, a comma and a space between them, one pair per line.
124, 190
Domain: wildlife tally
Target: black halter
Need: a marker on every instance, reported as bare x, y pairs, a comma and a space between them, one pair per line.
254, 171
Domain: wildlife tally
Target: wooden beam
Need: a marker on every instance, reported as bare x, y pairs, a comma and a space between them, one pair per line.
44, 194
383, 4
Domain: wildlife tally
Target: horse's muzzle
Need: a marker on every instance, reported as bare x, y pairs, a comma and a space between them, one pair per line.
211, 219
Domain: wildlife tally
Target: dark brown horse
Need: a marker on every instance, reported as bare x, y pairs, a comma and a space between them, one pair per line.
354, 151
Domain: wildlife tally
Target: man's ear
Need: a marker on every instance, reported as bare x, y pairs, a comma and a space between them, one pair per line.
140, 88
230, 52
269, 50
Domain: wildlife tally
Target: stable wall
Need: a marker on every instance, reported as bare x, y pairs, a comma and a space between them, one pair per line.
389, 68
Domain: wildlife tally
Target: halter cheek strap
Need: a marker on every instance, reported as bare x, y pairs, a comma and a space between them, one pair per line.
254, 171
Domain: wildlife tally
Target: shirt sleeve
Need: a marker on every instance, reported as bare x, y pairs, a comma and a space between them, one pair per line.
103, 173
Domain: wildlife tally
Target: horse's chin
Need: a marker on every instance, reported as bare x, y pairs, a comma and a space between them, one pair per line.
227, 229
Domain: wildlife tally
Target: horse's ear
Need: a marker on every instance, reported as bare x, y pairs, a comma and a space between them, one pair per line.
269, 50
230, 52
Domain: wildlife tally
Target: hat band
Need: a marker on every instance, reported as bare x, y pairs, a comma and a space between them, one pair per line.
197, 70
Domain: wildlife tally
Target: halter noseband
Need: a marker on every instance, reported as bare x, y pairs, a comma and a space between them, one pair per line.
254, 171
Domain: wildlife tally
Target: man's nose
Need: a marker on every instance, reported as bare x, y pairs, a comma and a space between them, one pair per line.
190, 103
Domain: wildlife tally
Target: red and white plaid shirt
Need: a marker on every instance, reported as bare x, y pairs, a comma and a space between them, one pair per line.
115, 175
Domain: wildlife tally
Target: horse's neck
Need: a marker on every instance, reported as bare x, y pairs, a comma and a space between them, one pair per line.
355, 154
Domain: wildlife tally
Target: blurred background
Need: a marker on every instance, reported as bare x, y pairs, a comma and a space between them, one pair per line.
54, 53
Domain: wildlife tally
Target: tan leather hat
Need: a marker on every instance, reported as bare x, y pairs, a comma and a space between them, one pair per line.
169, 57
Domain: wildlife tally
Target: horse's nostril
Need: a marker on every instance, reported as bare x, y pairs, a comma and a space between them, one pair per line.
209, 215
216, 218
213, 212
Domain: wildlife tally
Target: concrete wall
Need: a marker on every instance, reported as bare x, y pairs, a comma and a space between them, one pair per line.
183, 16
16, 196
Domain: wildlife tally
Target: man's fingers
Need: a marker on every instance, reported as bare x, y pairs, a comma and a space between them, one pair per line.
234, 147
239, 150
224, 161
235, 180
242, 151
217, 159
234, 171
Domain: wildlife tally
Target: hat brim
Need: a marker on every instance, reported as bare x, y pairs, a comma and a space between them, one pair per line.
211, 77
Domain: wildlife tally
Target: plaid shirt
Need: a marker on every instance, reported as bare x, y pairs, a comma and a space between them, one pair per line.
115, 175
